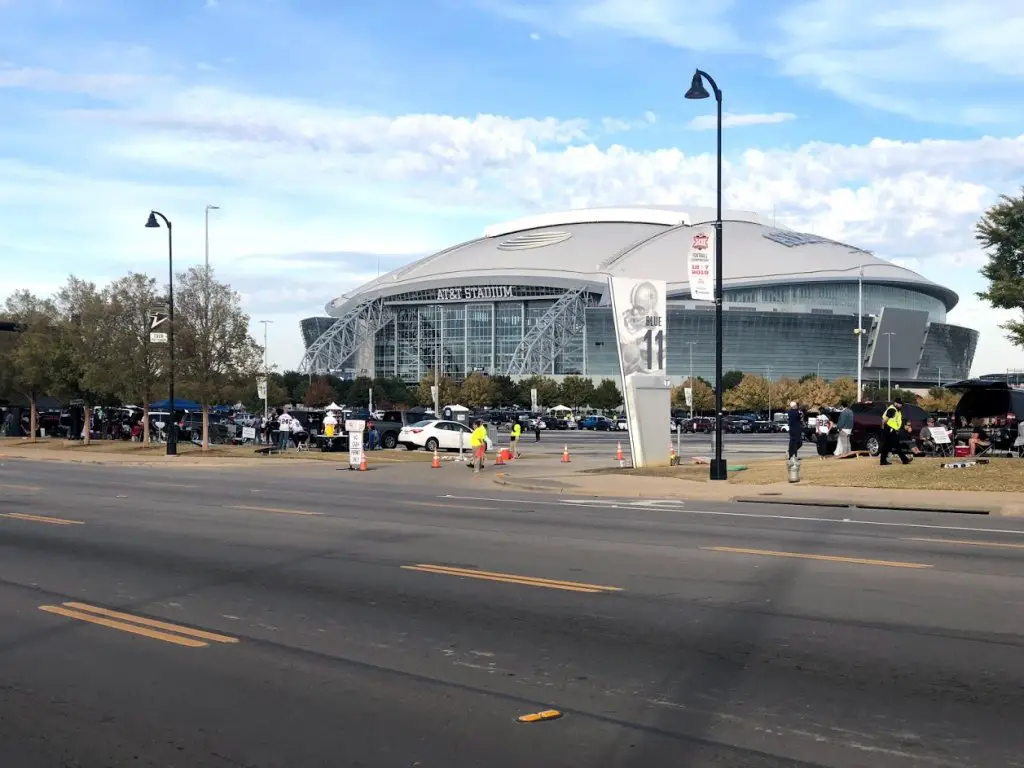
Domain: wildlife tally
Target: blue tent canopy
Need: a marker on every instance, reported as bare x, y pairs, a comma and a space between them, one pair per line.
179, 405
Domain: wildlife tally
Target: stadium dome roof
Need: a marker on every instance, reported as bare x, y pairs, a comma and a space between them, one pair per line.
586, 246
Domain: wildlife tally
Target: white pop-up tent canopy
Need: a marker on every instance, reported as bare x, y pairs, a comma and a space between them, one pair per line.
561, 408
456, 408
333, 407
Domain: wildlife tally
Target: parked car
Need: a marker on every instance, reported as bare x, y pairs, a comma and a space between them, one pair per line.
622, 425
764, 427
437, 435
699, 424
598, 423
867, 425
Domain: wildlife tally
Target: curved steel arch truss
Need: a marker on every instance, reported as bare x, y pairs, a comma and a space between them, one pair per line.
341, 341
542, 343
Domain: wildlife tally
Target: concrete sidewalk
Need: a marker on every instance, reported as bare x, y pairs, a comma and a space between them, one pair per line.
625, 486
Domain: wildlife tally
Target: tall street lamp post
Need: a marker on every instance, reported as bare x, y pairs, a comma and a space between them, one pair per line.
266, 371
172, 431
698, 91
207, 253
693, 383
889, 365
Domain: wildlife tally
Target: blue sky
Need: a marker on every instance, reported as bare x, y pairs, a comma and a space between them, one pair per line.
342, 136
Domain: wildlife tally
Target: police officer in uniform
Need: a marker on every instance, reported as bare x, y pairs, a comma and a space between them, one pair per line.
892, 428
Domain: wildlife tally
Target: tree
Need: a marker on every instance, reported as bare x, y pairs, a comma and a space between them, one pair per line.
213, 344
547, 391
295, 384
1001, 232
29, 363
606, 395
395, 392
816, 393
576, 391
876, 394
319, 393
844, 390
137, 362
86, 359
751, 394
940, 400
703, 395
359, 392
731, 380
505, 392
477, 391
784, 391
448, 389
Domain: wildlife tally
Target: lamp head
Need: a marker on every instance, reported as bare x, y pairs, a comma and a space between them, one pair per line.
152, 223
697, 89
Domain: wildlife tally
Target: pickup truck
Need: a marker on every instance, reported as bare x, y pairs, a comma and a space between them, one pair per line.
388, 427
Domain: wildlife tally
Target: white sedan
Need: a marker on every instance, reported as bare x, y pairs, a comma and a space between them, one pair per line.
437, 435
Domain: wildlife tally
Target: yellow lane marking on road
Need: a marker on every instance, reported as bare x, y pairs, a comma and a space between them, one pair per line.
279, 511
16, 487
138, 625
511, 578
826, 558
40, 518
971, 543
447, 506
536, 717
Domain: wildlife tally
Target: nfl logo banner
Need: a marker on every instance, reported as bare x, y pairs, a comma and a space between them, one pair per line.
701, 264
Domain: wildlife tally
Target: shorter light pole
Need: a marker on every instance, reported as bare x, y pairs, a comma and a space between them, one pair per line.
693, 383
890, 335
769, 393
172, 427
266, 372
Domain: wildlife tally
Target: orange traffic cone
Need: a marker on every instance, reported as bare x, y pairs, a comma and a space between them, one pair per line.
565, 455
499, 458
671, 453
362, 463
618, 453
436, 462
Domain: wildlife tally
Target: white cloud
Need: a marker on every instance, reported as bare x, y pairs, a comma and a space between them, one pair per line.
534, 36
695, 26
41, 79
295, 179
939, 60
710, 122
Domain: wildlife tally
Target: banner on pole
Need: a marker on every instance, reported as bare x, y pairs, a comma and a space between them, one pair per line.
261, 388
701, 264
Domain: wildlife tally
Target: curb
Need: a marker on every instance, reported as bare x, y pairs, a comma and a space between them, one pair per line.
854, 505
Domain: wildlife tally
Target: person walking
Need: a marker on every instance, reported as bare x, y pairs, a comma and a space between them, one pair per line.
822, 429
844, 429
796, 429
892, 437
517, 432
536, 430
478, 442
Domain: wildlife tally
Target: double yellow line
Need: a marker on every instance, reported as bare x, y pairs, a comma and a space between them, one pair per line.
40, 518
137, 625
511, 578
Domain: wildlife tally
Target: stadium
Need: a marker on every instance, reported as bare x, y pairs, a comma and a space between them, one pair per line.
531, 297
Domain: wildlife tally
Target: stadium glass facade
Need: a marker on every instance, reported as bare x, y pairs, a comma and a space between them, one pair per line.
786, 330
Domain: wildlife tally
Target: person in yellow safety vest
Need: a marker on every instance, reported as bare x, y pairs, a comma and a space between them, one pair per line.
517, 431
478, 442
892, 427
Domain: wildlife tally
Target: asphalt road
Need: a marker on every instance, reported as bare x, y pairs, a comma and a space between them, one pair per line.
315, 617
602, 444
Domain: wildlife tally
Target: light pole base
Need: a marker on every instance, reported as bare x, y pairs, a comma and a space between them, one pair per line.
172, 445
719, 469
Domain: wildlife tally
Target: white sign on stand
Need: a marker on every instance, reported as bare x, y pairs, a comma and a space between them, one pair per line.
355, 449
248, 433
639, 308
